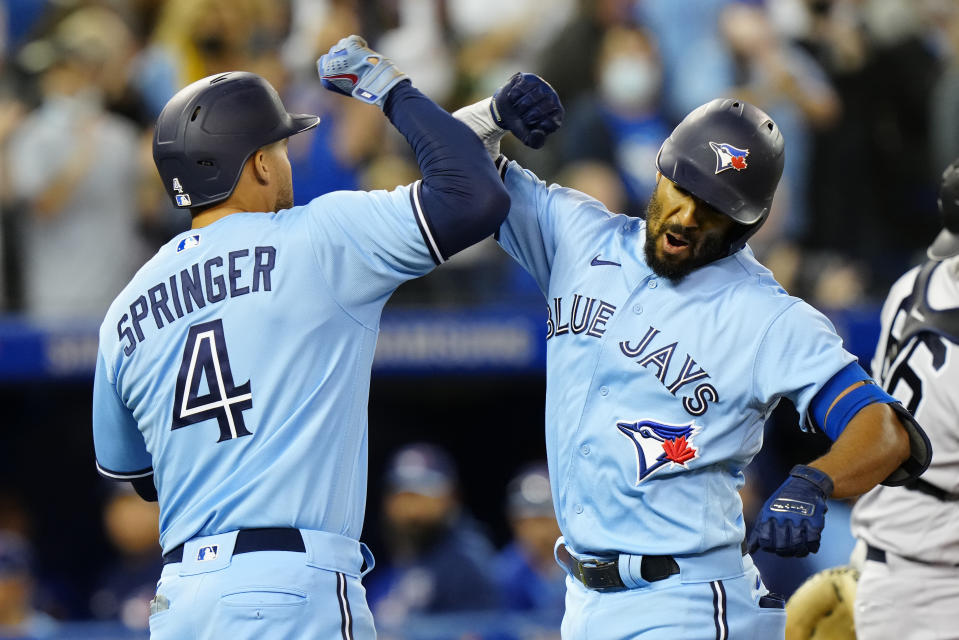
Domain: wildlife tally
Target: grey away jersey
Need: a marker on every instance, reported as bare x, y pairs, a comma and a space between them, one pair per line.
923, 373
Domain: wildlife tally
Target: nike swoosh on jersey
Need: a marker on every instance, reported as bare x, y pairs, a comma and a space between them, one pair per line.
596, 262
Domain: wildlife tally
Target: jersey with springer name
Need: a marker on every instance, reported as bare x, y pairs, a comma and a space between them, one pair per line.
236, 364
657, 392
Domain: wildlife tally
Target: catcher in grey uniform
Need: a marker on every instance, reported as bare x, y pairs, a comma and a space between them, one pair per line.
912, 532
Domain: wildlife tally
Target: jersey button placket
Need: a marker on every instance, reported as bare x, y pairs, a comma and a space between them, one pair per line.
652, 284
604, 391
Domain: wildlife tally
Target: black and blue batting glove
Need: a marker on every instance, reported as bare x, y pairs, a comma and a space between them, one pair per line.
791, 521
353, 69
528, 107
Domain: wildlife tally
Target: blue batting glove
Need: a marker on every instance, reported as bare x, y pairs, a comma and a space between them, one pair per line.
529, 107
353, 69
791, 521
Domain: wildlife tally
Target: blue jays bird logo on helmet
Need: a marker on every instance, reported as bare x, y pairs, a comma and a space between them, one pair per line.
659, 444
728, 156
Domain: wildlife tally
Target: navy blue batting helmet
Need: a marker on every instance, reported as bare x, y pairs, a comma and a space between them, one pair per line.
730, 155
208, 130
946, 243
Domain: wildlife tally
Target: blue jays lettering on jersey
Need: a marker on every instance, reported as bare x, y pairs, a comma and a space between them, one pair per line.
644, 397
199, 378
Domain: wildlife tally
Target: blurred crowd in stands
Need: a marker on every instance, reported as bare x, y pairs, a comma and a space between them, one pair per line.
866, 93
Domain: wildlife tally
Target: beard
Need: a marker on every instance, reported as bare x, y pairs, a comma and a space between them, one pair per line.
704, 250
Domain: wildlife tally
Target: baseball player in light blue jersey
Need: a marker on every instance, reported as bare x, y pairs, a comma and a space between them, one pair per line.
233, 372
668, 346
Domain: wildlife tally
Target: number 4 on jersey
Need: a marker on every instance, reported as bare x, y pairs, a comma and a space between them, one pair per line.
205, 358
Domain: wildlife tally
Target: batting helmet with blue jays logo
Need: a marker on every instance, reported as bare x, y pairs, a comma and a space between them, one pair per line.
208, 130
730, 155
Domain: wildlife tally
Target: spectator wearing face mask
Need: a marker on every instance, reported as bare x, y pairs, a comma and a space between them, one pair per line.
622, 125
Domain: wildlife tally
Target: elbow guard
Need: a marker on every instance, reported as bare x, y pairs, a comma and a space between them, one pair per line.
920, 450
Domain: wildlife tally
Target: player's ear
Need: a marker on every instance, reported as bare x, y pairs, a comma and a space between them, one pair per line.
260, 166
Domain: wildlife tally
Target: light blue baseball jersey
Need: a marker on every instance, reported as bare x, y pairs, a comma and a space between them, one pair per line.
656, 392
237, 361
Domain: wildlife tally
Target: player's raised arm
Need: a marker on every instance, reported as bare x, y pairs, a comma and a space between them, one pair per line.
526, 106
461, 195
541, 216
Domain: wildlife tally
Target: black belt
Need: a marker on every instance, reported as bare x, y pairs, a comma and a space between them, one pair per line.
248, 540
929, 489
603, 575
875, 553
879, 555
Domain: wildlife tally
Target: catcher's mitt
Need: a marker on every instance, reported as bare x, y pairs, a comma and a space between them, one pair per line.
822, 607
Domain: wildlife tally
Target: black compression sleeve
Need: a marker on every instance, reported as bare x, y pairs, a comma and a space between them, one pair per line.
145, 488
462, 196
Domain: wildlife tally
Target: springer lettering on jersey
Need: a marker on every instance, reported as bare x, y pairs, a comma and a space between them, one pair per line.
202, 283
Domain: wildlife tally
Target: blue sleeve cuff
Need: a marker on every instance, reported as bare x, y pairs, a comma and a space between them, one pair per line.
832, 421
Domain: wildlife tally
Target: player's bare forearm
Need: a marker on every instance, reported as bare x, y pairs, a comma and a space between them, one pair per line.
873, 445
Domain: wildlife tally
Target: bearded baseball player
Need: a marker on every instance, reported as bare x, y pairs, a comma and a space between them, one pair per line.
668, 346
233, 371
912, 532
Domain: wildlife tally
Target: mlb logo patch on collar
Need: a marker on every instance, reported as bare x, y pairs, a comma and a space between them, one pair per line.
728, 156
188, 242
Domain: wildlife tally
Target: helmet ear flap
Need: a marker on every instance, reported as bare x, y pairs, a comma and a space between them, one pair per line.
745, 232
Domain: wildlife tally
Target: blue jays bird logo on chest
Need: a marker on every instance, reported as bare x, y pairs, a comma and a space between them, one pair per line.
658, 444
